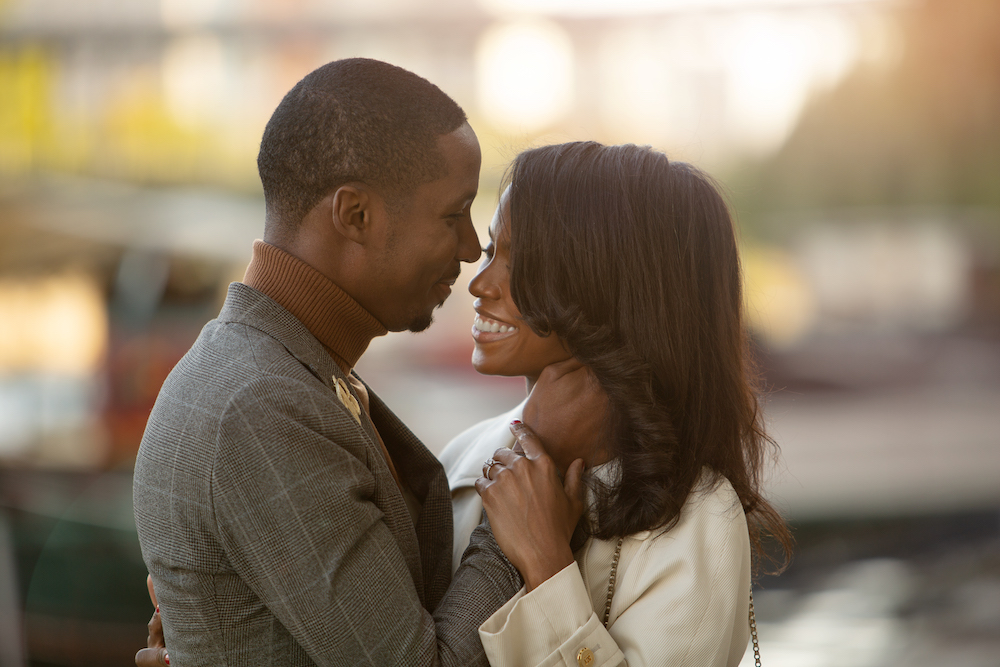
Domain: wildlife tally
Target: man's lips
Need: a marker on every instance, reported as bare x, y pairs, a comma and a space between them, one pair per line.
486, 329
445, 285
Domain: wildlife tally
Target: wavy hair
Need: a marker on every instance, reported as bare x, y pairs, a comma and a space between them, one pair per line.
632, 261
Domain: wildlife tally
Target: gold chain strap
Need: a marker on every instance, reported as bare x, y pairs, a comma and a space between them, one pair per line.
753, 633
611, 580
611, 592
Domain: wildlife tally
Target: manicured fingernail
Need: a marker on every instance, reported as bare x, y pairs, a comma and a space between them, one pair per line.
516, 422
157, 609
166, 658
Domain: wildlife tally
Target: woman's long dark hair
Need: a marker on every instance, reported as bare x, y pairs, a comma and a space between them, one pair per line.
632, 261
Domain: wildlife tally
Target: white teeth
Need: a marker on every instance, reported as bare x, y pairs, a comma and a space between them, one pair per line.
491, 326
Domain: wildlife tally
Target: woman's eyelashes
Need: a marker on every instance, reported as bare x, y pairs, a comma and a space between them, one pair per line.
488, 251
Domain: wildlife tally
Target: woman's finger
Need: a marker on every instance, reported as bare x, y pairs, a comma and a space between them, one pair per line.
155, 652
491, 468
149, 587
481, 485
155, 627
526, 438
505, 457
152, 657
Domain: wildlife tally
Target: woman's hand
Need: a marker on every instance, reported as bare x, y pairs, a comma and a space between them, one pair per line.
155, 653
532, 511
567, 409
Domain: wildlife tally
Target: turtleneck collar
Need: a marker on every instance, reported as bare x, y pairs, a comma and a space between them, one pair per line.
338, 321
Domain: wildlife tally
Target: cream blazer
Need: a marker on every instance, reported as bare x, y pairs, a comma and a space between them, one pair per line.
682, 597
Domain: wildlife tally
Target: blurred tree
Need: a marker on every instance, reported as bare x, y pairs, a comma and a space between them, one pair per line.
925, 132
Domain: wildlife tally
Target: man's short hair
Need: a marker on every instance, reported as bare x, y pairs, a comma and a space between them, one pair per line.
352, 120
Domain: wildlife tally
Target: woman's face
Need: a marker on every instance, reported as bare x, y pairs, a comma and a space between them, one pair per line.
505, 345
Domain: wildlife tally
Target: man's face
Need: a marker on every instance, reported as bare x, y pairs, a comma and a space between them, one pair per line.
427, 239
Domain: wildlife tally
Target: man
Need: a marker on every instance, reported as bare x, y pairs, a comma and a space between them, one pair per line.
286, 516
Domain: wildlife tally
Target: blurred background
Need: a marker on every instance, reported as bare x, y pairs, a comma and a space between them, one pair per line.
858, 142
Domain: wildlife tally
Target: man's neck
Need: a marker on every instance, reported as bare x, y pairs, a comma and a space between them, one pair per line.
330, 314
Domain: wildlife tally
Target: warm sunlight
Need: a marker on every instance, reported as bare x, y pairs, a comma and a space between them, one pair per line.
524, 74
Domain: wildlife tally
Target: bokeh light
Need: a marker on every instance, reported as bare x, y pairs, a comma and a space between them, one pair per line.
525, 75
53, 324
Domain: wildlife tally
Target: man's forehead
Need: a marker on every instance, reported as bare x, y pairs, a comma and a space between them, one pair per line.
461, 150
462, 160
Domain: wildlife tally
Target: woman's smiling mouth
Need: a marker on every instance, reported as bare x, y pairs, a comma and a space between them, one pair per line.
486, 329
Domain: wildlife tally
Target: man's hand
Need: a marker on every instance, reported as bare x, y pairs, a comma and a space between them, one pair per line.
155, 653
567, 410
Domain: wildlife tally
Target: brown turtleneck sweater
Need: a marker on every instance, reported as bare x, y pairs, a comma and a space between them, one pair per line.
339, 322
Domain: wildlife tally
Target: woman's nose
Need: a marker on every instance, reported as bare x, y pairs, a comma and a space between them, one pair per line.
482, 285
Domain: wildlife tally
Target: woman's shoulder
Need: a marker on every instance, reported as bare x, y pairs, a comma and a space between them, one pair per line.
711, 515
713, 492
709, 540
463, 456
689, 580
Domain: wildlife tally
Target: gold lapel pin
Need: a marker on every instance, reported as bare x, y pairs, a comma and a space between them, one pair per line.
347, 398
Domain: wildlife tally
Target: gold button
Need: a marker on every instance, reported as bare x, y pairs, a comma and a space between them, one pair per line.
585, 658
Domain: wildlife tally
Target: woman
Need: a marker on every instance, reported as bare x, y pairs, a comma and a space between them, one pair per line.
626, 262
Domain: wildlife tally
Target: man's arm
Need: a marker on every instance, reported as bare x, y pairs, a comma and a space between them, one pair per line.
483, 567
295, 506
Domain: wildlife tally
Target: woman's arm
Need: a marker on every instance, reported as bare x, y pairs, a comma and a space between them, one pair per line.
681, 598
555, 624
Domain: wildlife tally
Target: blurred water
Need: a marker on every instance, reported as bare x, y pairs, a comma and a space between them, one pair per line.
938, 604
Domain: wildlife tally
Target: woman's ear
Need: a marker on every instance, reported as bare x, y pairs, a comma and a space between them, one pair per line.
351, 213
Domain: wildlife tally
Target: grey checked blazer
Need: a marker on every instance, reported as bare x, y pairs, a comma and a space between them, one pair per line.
272, 526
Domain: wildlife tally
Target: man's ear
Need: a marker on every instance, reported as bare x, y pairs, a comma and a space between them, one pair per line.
351, 212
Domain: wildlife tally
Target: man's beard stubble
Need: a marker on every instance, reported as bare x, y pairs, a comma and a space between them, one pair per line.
420, 323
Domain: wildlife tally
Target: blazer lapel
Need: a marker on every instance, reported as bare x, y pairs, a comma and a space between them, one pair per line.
425, 476
248, 306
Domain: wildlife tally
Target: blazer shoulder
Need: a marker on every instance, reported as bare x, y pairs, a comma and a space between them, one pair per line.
301, 398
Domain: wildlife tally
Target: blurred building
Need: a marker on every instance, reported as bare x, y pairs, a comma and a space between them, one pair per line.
178, 91
174, 94
129, 200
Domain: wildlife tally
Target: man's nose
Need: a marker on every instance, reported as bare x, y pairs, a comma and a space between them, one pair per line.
469, 249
